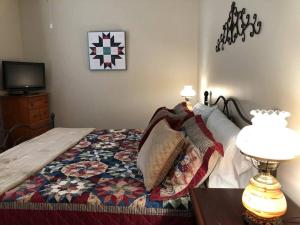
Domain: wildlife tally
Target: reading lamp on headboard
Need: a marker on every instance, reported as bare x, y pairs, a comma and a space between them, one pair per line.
188, 92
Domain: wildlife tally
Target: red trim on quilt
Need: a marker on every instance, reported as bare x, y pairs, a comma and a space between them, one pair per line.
185, 107
155, 194
34, 217
170, 120
189, 115
161, 108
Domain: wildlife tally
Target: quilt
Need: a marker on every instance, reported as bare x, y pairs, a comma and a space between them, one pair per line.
94, 182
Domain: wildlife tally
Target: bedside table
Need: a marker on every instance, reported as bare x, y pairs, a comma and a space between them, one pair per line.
224, 206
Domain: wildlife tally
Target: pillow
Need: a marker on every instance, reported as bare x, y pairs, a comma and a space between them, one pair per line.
181, 108
174, 121
159, 110
175, 117
203, 110
195, 128
198, 158
178, 109
233, 167
158, 153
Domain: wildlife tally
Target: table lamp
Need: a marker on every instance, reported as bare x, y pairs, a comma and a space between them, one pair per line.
267, 142
187, 92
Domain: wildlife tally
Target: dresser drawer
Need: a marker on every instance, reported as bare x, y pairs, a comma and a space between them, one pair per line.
32, 110
39, 131
44, 113
34, 116
38, 102
40, 124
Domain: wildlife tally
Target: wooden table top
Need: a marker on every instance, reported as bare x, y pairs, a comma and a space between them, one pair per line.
224, 206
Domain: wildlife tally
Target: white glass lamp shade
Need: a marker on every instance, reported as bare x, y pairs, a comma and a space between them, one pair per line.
268, 137
188, 91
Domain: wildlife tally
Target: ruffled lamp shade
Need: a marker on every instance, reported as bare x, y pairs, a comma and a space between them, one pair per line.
269, 138
267, 141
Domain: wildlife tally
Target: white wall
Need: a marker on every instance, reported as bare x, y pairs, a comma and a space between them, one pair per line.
162, 38
262, 72
10, 38
11, 47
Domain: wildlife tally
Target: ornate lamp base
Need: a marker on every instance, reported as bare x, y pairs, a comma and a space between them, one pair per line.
251, 219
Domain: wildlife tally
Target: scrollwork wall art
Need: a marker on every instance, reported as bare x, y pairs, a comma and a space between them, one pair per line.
238, 24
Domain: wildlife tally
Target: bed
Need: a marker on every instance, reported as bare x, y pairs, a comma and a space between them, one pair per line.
96, 181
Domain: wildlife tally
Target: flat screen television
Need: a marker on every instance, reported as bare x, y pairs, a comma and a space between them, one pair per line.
23, 76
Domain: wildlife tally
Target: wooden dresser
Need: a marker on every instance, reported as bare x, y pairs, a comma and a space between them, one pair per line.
32, 110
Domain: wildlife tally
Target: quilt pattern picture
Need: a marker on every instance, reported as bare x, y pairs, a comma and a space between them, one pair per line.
107, 50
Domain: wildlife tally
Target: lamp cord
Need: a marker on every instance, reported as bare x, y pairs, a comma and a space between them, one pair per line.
50, 13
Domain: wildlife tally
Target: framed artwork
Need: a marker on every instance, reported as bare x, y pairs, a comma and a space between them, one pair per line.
107, 50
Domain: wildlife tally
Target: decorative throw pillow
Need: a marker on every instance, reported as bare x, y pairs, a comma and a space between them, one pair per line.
158, 153
195, 128
194, 164
175, 118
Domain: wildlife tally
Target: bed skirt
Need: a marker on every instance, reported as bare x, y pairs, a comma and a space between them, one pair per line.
58, 217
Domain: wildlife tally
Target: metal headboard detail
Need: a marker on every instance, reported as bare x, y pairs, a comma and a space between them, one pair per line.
225, 110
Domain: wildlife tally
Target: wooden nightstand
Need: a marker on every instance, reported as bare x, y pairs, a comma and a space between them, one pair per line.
224, 206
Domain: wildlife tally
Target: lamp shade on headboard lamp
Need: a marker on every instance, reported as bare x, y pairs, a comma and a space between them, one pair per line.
187, 91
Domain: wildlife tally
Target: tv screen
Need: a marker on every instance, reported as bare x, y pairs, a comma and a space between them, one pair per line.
23, 75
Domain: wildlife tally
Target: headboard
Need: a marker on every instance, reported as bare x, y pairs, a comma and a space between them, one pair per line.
226, 104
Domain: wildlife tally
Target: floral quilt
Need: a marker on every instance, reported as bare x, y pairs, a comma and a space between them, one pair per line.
99, 174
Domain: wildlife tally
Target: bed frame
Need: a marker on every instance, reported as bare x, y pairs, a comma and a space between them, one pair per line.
226, 102
7, 133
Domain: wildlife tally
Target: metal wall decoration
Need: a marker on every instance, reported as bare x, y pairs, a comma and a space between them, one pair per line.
236, 26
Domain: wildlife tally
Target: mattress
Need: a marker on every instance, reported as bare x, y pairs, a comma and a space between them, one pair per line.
94, 182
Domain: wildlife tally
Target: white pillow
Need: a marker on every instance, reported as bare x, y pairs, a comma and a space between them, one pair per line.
203, 110
233, 170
